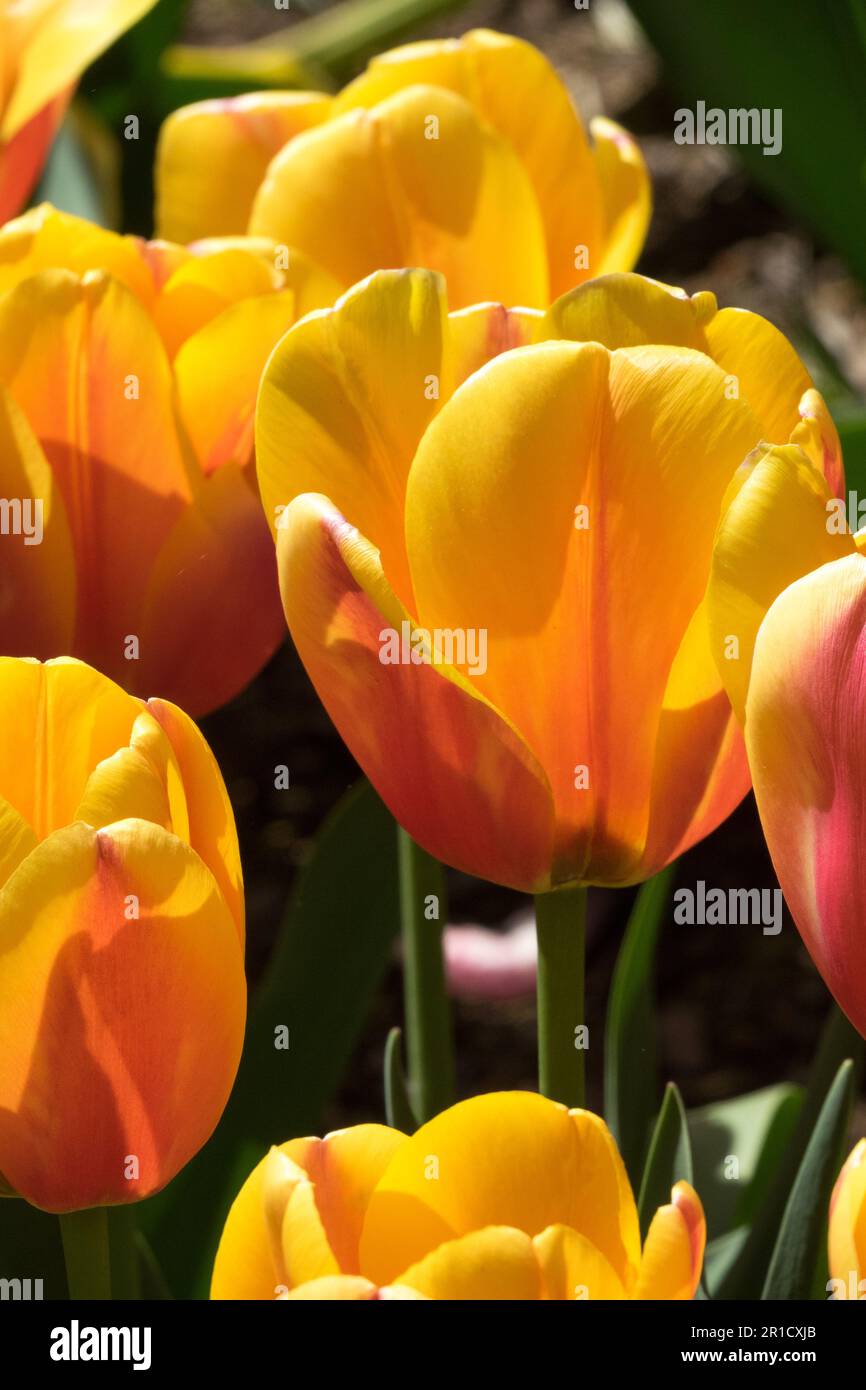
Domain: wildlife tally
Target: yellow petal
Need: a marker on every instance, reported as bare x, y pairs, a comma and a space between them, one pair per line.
460, 202
495, 1263
46, 238
572, 1268
61, 41
351, 1287
120, 1035
212, 156
504, 77
244, 1267
217, 371
345, 400
673, 1253
499, 476
776, 527
620, 311
511, 1159
625, 193
57, 721
763, 366
847, 1233
107, 424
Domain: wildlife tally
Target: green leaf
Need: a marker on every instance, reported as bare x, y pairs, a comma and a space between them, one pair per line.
331, 955
803, 1231
754, 1130
631, 1085
746, 1275
729, 56
669, 1160
398, 1109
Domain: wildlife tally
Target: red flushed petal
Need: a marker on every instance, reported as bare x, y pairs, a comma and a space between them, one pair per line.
22, 157
454, 773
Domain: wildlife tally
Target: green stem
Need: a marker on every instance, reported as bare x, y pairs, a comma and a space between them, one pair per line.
429, 1040
86, 1252
560, 921
123, 1249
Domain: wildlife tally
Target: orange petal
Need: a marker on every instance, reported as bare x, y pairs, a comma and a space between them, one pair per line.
23, 154
452, 771
211, 614
120, 1037
673, 1252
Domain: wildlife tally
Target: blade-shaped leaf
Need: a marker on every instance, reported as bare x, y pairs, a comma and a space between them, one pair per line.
631, 1084
398, 1109
669, 1160
803, 1231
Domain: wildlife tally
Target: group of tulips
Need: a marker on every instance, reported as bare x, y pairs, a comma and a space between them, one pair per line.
387, 363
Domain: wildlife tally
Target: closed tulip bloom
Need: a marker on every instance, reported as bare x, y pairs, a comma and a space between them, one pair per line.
45, 45
138, 542
803, 719
122, 991
847, 1235
367, 1213
464, 155
495, 532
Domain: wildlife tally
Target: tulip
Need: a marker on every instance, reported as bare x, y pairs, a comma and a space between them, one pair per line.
45, 45
538, 492
464, 155
122, 993
804, 710
147, 554
847, 1235
505, 1196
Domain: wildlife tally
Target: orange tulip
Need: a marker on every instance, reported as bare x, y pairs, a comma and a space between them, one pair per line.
122, 992
464, 155
45, 45
555, 505
132, 535
506, 1196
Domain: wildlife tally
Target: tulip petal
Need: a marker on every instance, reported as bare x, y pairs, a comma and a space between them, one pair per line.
775, 497
572, 1268
108, 423
499, 477
217, 371
351, 1287
458, 201
806, 694
211, 826
335, 416
45, 238
765, 367
626, 196
818, 437
322, 1224
64, 40
244, 1267
673, 1253
620, 311
483, 331
213, 155
75, 716
16, 840
504, 77
494, 1263
215, 575
847, 1233
511, 1159
451, 770
120, 1038
22, 156
37, 581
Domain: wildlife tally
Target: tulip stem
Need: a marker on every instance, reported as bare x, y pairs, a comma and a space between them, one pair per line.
429, 1033
560, 922
86, 1252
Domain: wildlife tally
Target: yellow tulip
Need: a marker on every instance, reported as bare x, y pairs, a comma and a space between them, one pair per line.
505, 1196
122, 991
131, 533
494, 535
45, 45
464, 155
847, 1236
